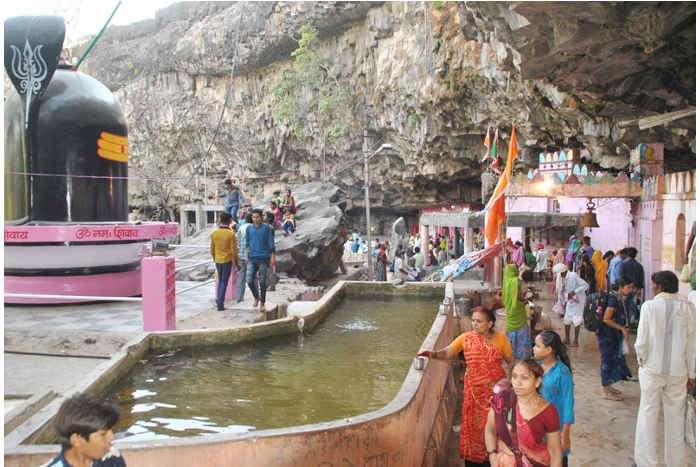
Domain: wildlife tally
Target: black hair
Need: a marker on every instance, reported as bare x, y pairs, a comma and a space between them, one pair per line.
631, 252
228, 181
552, 339
256, 211
586, 239
249, 217
84, 414
608, 254
225, 218
416, 249
490, 314
269, 218
527, 275
667, 280
533, 367
623, 281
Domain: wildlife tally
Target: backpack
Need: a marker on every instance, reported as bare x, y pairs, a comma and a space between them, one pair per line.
594, 310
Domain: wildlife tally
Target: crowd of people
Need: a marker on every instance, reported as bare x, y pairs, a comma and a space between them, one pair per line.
245, 239
518, 398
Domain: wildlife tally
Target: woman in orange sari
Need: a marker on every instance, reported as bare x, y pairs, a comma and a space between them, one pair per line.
484, 351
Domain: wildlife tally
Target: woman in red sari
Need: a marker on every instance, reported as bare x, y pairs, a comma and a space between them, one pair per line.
523, 428
485, 351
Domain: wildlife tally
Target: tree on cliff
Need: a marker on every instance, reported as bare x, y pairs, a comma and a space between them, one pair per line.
310, 101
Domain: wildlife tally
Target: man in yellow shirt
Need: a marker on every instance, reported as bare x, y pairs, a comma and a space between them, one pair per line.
224, 251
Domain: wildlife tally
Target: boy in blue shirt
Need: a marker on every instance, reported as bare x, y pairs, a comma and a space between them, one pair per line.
84, 425
260, 242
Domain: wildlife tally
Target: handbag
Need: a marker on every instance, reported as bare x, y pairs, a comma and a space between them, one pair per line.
690, 421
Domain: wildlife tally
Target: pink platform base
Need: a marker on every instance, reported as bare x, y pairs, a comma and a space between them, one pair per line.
117, 284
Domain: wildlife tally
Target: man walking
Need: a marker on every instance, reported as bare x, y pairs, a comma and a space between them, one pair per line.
666, 353
233, 197
261, 255
224, 251
242, 254
573, 292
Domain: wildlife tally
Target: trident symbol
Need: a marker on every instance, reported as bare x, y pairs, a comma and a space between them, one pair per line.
30, 68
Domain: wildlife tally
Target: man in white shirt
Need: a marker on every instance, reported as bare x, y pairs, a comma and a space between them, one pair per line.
665, 348
419, 258
574, 300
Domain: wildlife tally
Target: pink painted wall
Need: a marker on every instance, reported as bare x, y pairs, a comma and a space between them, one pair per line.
678, 199
613, 217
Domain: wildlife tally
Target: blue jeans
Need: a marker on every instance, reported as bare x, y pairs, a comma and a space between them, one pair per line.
223, 270
241, 280
256, 277
233, 210
632, 311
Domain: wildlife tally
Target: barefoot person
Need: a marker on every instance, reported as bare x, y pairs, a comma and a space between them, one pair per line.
612, 333
666, 353
84, 427
485, 352
557, 383
261, 256
522, 428
574, 293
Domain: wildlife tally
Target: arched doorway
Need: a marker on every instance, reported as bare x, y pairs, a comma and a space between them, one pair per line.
680, 243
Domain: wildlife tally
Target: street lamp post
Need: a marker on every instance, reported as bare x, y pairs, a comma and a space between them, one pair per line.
367, 157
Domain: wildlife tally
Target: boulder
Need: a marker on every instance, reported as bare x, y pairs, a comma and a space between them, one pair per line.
315, 249
312, 252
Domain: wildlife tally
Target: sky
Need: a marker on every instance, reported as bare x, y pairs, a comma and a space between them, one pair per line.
84, 17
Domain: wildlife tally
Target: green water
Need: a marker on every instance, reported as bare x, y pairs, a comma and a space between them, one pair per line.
353, 363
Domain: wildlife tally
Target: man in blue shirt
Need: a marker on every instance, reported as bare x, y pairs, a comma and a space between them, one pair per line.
234, 198
614, 269
260, 243
635, 271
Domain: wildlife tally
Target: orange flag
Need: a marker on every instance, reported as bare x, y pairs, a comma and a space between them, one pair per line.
496, 207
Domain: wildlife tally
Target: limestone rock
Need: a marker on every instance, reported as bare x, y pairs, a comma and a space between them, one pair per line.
426, 77
315, 249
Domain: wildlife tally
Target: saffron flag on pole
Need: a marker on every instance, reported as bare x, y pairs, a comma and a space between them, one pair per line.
487, 143
496, 207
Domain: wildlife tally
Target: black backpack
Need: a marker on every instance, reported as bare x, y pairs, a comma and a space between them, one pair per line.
594, 310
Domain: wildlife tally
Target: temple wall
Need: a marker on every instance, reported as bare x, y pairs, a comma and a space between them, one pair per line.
613, 216
678, 213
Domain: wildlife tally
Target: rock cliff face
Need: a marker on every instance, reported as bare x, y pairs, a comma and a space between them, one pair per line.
428, 78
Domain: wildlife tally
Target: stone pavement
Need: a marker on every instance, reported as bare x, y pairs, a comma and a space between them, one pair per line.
603, 434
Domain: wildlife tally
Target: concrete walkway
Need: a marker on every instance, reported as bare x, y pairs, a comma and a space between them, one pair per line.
603, 434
